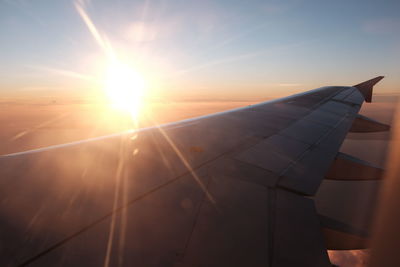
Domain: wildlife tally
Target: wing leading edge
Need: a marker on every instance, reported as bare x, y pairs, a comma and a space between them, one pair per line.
224, 189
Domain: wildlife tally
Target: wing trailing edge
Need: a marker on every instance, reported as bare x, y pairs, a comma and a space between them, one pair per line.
366, 87
346, 167
362, 124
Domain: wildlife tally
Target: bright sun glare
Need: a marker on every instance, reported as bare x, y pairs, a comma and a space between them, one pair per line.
124, 87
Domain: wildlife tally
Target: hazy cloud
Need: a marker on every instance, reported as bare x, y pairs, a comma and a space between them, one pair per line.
288, 84
275, 7
141, 32
382, 26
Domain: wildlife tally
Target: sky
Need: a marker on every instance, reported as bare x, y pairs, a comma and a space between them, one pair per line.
184, 50
205, 49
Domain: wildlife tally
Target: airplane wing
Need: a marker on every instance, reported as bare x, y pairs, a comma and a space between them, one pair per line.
235, 188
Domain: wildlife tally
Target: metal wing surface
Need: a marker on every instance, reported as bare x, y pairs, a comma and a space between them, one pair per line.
228, 189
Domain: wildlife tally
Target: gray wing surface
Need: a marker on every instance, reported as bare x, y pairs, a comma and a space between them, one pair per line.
230, 189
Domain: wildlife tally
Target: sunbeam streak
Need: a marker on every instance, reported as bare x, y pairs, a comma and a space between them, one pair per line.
101, 41
41, 125
118, 178
244, 56
67, 73
187, 164
123, 85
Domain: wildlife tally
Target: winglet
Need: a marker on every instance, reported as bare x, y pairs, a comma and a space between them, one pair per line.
366, 88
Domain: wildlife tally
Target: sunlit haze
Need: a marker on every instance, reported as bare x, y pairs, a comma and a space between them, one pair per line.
198, 49
78, 69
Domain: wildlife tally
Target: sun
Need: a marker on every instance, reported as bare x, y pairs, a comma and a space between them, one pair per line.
124, 87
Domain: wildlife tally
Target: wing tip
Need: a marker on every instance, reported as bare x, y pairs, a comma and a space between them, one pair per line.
366, 87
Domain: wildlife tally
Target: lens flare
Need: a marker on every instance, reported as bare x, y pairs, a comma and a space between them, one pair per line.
124, 87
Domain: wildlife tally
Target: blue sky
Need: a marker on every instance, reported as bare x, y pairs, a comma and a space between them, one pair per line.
207, 47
